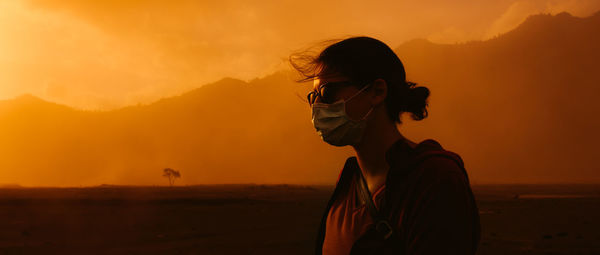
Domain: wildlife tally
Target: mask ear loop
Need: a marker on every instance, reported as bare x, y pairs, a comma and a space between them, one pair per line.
366, 115
360, 91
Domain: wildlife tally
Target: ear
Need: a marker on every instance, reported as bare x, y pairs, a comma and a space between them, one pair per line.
379, 88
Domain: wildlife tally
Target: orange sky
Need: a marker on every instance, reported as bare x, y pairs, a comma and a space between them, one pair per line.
107, 54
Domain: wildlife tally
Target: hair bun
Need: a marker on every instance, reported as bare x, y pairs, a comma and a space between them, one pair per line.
416, 101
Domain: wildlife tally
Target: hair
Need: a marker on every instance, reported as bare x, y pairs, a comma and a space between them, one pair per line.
363, 60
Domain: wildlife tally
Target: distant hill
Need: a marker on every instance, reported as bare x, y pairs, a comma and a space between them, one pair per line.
226, 132
520, 107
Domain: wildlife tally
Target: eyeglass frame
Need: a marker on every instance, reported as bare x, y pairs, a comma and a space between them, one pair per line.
317, 92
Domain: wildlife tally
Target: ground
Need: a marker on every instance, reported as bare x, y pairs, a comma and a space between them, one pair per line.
266, 219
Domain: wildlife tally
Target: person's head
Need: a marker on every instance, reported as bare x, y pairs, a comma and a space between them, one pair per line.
362, 61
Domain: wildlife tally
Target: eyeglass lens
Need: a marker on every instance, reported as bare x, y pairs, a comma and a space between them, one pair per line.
326, 92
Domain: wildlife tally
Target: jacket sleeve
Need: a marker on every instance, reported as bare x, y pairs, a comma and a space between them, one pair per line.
442, 219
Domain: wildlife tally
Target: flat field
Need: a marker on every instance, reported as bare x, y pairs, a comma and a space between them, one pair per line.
266, 219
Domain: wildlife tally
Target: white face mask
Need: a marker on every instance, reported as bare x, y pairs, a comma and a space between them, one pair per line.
333, 124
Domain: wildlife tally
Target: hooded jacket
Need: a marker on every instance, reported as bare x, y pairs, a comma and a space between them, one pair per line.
427, 199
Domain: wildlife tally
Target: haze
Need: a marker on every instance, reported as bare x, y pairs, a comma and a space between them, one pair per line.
120, 90
109, 54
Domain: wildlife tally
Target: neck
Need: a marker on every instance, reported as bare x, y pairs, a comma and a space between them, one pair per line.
370, 153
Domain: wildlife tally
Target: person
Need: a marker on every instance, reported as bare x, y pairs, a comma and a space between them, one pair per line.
359, 93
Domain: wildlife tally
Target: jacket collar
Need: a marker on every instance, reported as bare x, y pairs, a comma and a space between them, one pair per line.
399, 153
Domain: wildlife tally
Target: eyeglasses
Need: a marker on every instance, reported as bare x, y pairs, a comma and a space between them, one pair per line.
327, 91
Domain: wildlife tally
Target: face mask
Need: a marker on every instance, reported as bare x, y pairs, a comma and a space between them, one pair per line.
333, 124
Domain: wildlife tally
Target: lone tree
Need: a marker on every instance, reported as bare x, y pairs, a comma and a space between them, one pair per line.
171, 174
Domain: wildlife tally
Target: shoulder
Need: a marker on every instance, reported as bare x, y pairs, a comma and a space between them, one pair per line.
440, 164
431, 158
442, 170
430, 155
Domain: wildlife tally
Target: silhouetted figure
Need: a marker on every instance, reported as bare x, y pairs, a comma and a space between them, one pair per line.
395, 196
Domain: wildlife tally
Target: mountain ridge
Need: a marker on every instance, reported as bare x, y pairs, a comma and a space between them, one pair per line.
509, 106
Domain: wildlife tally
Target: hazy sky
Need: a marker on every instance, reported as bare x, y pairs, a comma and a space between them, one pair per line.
110, 53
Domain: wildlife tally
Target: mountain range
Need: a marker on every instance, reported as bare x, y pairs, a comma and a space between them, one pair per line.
518, 108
